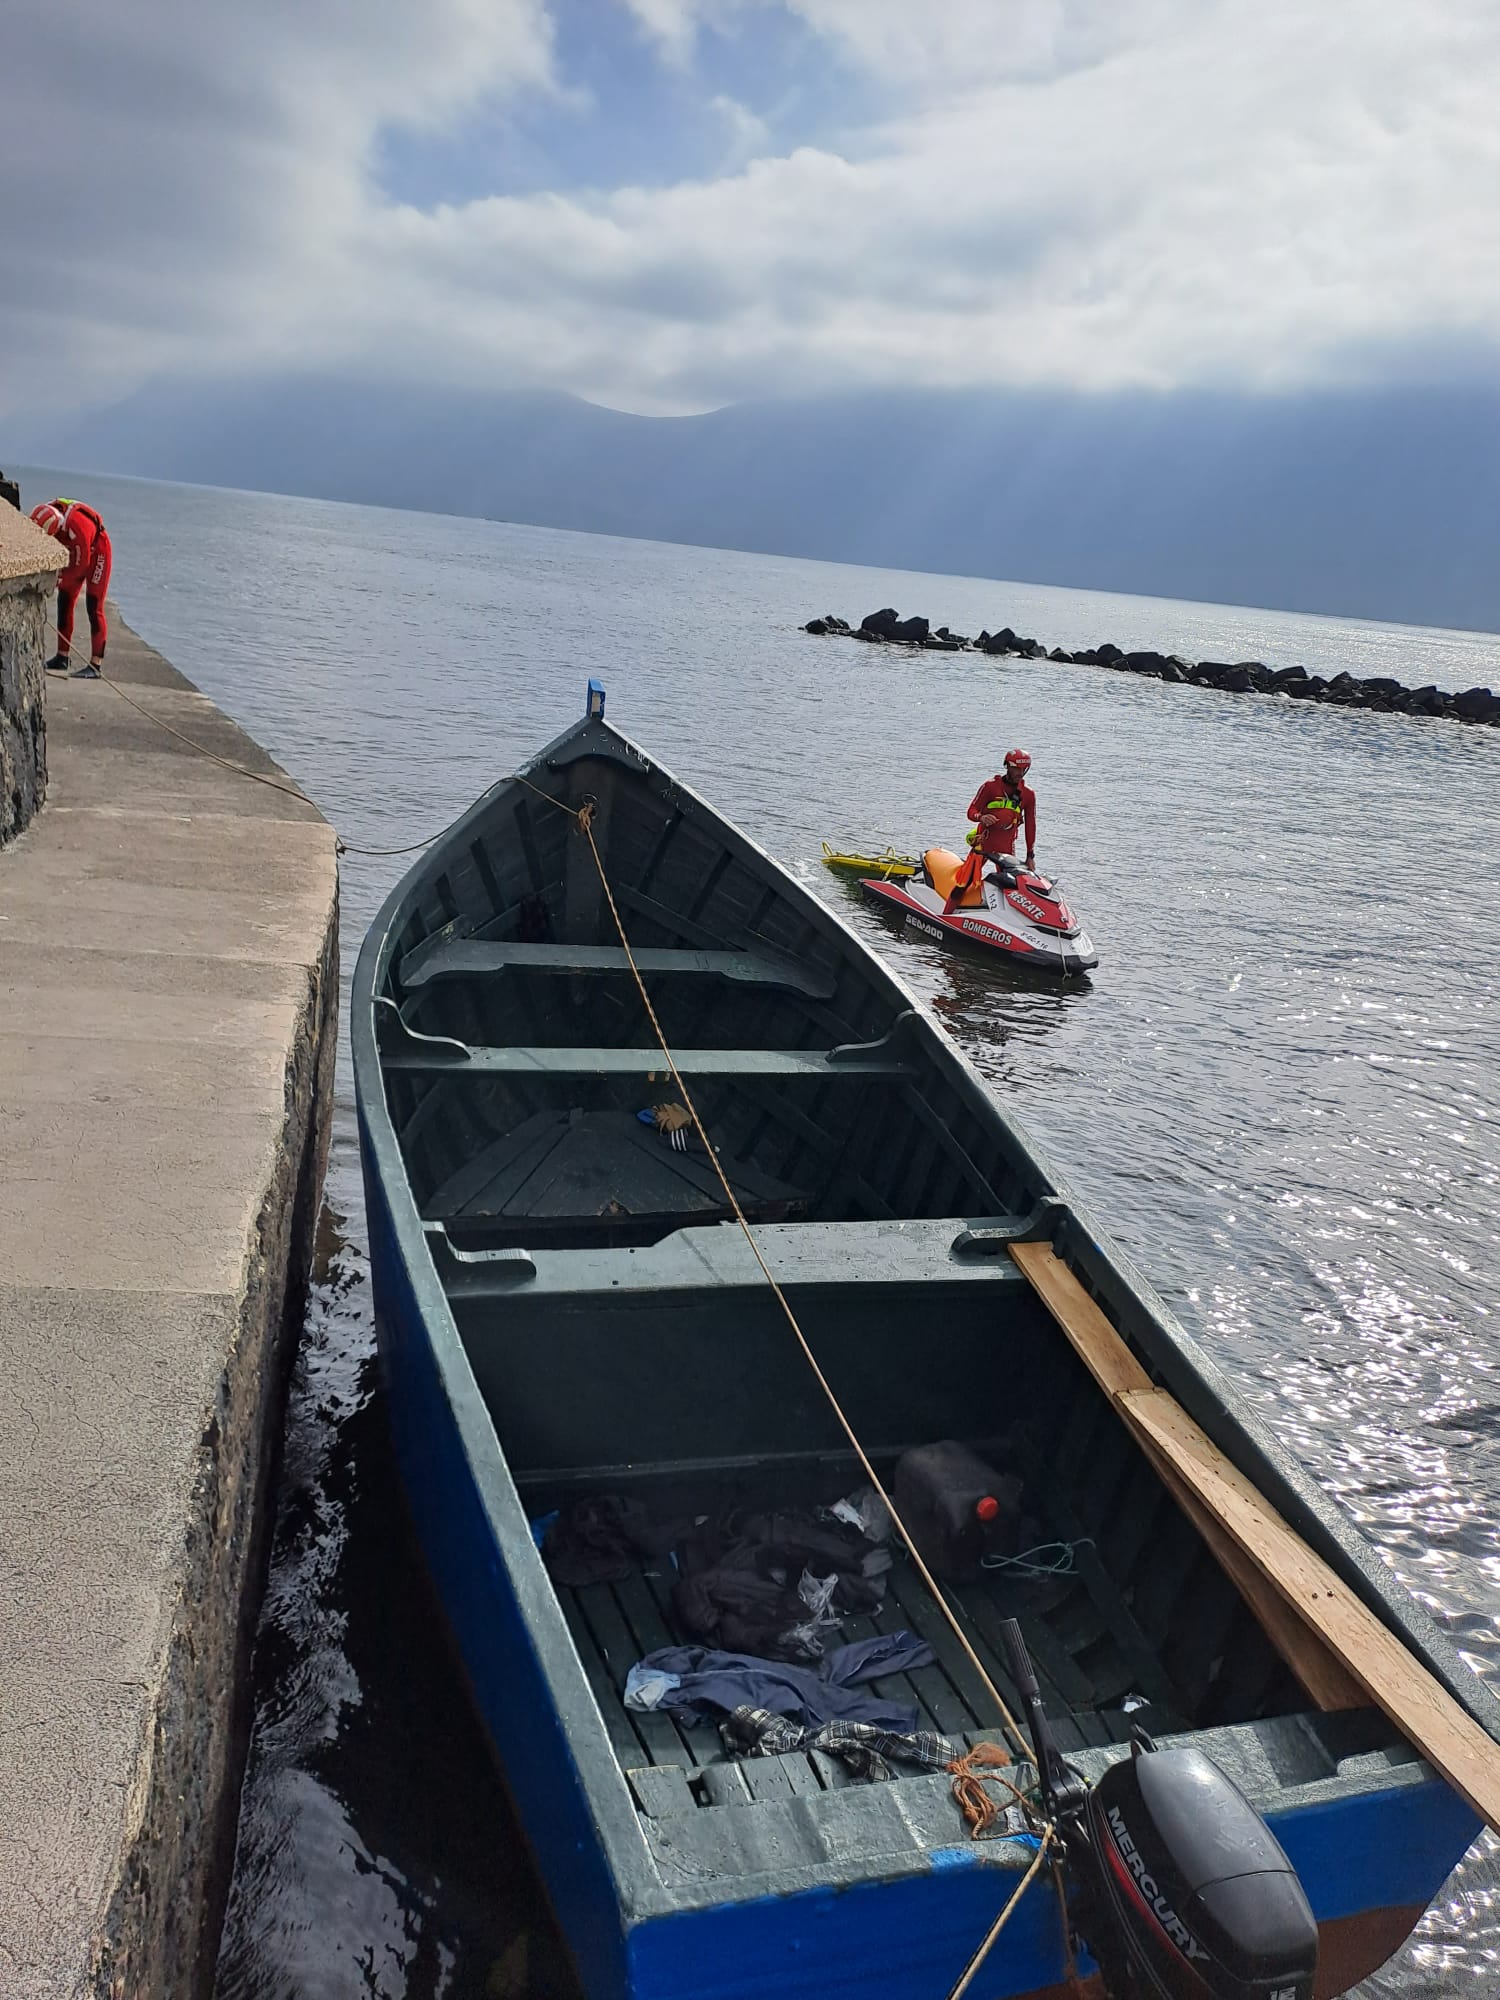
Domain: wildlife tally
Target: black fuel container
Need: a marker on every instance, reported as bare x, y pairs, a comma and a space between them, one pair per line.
957, 1509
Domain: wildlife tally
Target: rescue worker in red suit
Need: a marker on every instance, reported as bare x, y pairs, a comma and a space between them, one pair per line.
1001, 807
86, 539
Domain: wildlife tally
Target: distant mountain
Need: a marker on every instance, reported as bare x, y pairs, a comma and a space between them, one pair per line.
1377, 504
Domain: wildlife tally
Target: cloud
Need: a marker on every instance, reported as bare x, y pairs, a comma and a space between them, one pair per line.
1092, 193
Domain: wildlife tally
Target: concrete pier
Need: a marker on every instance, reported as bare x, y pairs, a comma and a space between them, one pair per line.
168, 1001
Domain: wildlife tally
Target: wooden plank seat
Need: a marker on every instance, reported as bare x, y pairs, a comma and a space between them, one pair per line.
841, 1256
465, 958
444, 1057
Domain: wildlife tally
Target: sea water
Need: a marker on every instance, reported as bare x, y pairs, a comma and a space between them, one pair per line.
1279, 1092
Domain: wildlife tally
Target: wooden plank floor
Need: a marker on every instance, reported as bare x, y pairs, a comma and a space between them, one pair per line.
616, 1624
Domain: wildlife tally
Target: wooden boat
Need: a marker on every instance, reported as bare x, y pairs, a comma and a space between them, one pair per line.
566, 1307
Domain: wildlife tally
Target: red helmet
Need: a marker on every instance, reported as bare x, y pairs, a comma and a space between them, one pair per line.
48, 518
1017, 760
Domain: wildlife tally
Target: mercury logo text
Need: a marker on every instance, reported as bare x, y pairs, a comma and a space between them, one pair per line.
1145, 1881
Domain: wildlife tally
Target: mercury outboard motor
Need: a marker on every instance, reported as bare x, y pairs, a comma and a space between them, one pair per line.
1177, 1886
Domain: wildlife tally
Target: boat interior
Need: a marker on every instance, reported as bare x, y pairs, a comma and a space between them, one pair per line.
626, 1342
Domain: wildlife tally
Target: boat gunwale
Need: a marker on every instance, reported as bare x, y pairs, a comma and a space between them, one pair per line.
1124, 1293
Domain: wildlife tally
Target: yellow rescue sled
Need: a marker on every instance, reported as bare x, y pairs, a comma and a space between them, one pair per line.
889, 866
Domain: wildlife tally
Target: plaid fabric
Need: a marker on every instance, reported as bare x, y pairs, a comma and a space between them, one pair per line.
755, 1732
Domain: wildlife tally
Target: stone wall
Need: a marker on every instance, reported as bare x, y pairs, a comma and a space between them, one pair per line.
29, 562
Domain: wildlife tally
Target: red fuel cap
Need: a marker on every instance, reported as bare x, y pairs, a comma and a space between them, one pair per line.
987, 1508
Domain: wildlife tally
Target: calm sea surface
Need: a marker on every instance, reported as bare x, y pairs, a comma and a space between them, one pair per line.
1280, 1091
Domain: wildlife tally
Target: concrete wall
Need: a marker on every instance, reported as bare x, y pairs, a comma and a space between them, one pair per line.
29, 562
168, 993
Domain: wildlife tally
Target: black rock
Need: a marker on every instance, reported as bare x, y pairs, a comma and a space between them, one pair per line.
1057, 653
818, 625
1235, 680
1476, 705
1107, 654
1285, 675
880, 624
910, 629
1173, 672
933, 644
1382, 685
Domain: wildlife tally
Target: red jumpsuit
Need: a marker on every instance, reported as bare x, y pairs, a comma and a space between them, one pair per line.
86, 539
1008, 806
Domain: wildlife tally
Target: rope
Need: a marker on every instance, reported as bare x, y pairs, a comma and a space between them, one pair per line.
584, 818
256, 777
1060, 1558
969, 1781
341, 845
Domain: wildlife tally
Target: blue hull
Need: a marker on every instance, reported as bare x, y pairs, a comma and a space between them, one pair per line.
1369, 1864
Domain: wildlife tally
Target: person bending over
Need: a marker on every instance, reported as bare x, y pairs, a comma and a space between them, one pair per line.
82, 532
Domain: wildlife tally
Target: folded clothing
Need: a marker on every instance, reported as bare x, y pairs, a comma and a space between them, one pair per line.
864, 1748
709, 1683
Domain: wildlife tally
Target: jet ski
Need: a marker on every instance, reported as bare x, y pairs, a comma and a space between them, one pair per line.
1011, 913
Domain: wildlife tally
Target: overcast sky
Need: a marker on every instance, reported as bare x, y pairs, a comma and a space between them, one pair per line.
667, 205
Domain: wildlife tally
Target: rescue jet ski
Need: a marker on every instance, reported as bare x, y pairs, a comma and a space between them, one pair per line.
1011, 913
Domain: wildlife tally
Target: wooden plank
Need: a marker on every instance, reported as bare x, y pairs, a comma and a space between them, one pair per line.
801, 1776
725, 1785
1121, 1376
467, 957
1377, 1660
728, 1065
627, 1743
1369, 1663
661, 1791
619, 1652
1322, 1676
1082, 1319
766, 1779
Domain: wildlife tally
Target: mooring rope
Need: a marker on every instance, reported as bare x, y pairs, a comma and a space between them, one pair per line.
341, 845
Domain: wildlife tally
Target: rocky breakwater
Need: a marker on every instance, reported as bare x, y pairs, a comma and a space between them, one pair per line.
887, 627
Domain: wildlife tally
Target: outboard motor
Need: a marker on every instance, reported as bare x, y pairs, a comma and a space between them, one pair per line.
1177, 1886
